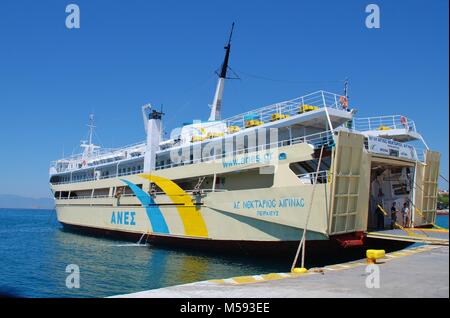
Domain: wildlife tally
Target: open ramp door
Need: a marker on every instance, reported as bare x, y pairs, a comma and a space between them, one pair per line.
349, 196
427, 189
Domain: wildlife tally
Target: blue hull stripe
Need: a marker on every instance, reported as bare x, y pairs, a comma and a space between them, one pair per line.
154, 214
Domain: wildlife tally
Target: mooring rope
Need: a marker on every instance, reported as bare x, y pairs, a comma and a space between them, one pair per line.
303, 240
139, 242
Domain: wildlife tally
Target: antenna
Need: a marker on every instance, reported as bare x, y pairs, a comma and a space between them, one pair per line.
223, 72
217, 103
91, 127
231, 34
346, 88
89, 148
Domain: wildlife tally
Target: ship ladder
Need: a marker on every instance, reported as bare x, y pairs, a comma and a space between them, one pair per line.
199, 183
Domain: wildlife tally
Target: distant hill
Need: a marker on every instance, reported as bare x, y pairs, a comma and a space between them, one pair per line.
19, 202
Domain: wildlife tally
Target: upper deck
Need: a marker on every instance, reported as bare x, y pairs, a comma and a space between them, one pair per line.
311, 115
395, 127
308, 110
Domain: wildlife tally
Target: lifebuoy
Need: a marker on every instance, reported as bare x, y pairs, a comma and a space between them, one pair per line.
404, 122
343, 101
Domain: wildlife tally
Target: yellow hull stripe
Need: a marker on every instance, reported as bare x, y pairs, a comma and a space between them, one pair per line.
194, 224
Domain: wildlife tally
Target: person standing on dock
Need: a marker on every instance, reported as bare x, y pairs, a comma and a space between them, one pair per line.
393, 214
405, 214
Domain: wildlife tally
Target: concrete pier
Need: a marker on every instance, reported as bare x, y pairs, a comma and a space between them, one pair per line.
416, 272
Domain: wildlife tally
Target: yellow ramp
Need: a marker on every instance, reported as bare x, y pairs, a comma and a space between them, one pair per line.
413, 235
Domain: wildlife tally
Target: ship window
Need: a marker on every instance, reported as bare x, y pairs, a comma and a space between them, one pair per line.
306, 170
54, 179
245, 180
245, 144
310, 166
125, 190
64, 194
103, 192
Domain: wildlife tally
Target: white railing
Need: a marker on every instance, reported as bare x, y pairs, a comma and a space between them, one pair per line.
102, 155
309, 178
114, 175
316, 140
129, 195
383, 122
421, 154
291, 107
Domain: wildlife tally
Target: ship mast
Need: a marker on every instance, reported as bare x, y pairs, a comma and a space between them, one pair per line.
217, 103
91, 127
89, 148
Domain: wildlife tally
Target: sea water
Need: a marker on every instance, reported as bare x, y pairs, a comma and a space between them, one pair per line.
35, 252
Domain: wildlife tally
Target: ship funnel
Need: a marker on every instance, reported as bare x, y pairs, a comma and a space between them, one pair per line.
153, 128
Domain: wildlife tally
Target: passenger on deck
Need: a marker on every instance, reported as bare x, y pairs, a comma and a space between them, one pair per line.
393, 214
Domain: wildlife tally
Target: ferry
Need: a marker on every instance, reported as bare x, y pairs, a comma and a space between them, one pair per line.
259, 180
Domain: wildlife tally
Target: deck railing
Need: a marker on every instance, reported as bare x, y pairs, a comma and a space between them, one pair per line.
316, 140
318, 99
104, 155
383, 123
114, 175
309, 178
130, 195
291, 107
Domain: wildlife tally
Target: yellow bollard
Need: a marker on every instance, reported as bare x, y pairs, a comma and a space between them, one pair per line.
374, 255
299, 270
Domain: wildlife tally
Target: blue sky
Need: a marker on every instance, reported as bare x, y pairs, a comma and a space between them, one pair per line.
128, 53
